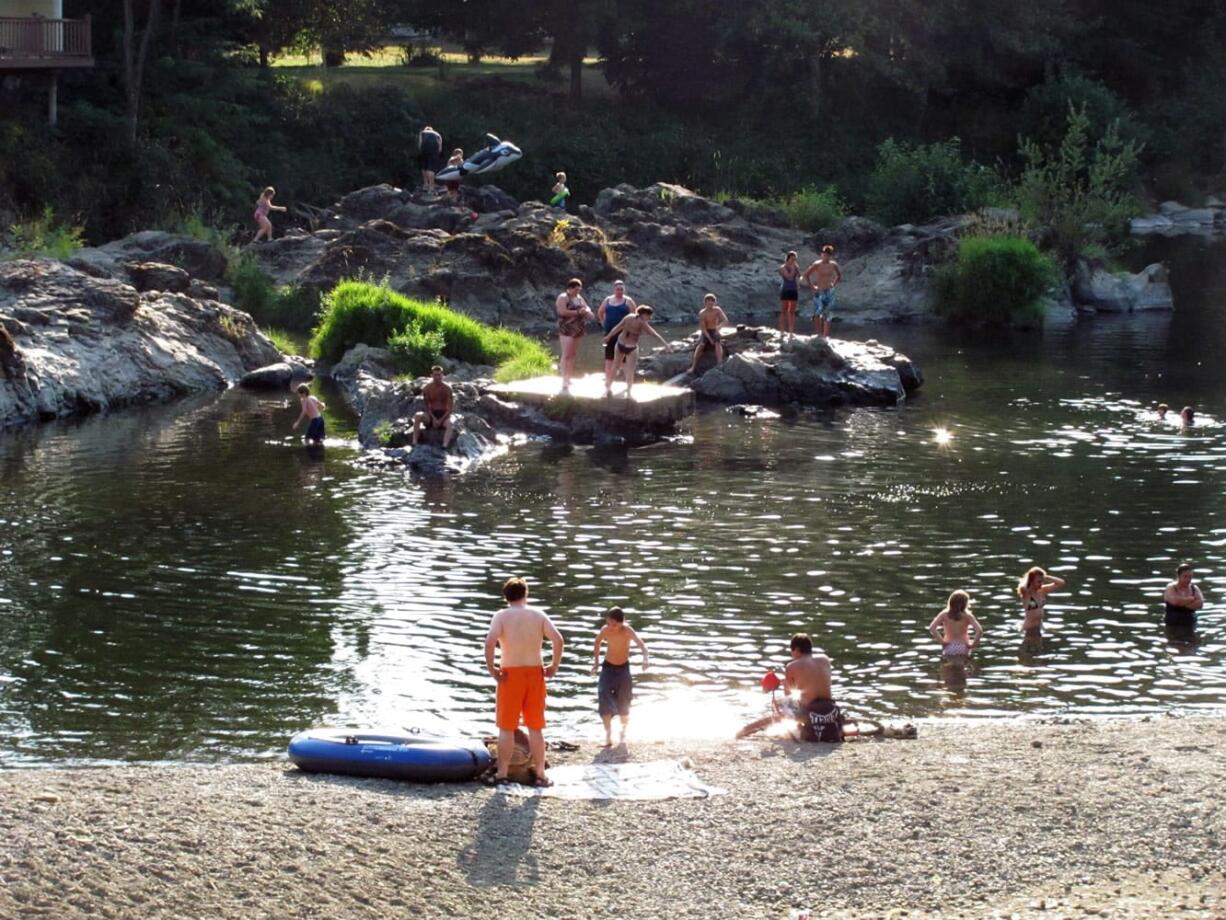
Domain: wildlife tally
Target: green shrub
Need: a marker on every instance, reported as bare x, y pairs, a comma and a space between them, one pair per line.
358, 311
416, 349
1081, 190
1044, 115
807, 209
994, 281
522, 367
910, 184
282, 340
43, 236
289, 306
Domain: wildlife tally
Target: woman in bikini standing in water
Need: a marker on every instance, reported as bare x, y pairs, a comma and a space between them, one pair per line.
789, 293
1033, 589
573, 314
952, 627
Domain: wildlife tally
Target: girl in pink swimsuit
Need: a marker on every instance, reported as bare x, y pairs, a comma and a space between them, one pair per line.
262, 207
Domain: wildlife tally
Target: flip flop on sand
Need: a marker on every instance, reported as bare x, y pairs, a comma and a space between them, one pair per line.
542, 782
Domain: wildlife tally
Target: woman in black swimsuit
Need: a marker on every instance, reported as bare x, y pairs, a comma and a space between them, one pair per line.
626, 334
789, 293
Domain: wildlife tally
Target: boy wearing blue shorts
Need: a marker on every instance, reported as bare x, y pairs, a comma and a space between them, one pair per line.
823, 276
312, 409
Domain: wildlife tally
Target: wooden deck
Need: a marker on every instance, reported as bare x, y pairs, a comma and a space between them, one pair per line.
34, 43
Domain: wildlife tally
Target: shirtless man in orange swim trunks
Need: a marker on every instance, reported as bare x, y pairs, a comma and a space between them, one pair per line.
521, 630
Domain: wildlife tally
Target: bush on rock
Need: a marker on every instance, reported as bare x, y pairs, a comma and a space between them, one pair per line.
360, 312
995, 280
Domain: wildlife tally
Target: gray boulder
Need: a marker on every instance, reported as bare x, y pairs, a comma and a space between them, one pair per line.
278, 376
196, 257
72, 343
157, 276
1121, 292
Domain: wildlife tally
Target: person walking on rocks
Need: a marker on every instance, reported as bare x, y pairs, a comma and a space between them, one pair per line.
626, 335
616, 689
520, 631
823, 276
262, 207
429, 156
453, 185
612, 310
710, 319
1182, 599
789, 293
440, 402
573, 313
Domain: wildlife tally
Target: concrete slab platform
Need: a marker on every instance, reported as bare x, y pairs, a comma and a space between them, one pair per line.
652, 406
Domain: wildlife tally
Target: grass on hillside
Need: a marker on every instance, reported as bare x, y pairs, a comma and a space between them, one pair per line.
360, 312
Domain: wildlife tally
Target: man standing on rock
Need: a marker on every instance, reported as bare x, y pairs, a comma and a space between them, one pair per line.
440, 401
823, 276
429, 155
521, 630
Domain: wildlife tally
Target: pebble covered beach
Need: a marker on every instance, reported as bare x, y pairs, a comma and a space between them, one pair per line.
1119, 818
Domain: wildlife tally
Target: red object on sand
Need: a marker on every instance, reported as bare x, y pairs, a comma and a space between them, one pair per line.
770, 683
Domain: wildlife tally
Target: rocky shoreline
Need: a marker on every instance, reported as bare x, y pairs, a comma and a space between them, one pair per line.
1004, 819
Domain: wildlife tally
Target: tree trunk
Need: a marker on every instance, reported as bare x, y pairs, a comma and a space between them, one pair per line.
134, 62
576, 76
263, 56
817, 79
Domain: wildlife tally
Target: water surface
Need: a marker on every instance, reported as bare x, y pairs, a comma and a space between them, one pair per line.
187, 582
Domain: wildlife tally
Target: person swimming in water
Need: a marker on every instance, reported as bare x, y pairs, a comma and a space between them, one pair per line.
1182, 599
1187, 418
952, 627
1162, 410
1033, 589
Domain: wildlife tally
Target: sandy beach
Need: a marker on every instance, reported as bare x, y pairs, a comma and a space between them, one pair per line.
1110, 818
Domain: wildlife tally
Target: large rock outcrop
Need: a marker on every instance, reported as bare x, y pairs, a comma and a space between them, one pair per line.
72, 343
764, 367
1097, 288
1176, 219
505, 263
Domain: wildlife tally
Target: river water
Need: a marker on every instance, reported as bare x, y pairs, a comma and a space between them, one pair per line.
187, 583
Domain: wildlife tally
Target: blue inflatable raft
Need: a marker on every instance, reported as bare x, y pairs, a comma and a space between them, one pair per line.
415, 756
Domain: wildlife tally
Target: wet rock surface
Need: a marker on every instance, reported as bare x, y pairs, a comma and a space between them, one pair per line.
72, 343
1099, 289
764, 367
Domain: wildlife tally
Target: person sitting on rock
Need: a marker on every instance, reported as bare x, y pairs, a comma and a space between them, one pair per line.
440, 401
626, 335
710, 318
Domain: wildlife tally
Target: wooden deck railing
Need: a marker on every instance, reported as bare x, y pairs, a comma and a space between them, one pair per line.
34, 41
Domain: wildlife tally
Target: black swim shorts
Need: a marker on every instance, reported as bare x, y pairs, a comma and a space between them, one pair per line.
615, 689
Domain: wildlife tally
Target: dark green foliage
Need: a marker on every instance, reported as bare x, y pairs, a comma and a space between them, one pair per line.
915, 183
359, 312
1044, 114
995, 281
417, 350
284, 306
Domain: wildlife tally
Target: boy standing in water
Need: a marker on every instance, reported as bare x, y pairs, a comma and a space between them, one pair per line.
615, 689
312, 409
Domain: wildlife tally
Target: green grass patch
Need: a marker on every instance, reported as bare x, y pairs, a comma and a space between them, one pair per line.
44, 235
284, 342
806, 209
995, 281
285, 306
360, 312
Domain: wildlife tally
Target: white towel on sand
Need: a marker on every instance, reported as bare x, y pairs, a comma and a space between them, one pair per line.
659, 779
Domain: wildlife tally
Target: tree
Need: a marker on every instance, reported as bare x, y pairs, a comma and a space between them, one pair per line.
134, 59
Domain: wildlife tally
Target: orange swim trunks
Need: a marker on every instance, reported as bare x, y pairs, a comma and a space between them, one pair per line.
521, 691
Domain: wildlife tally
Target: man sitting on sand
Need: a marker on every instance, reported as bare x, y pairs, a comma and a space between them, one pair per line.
710, 318
809, 674
520, 630
440, 400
